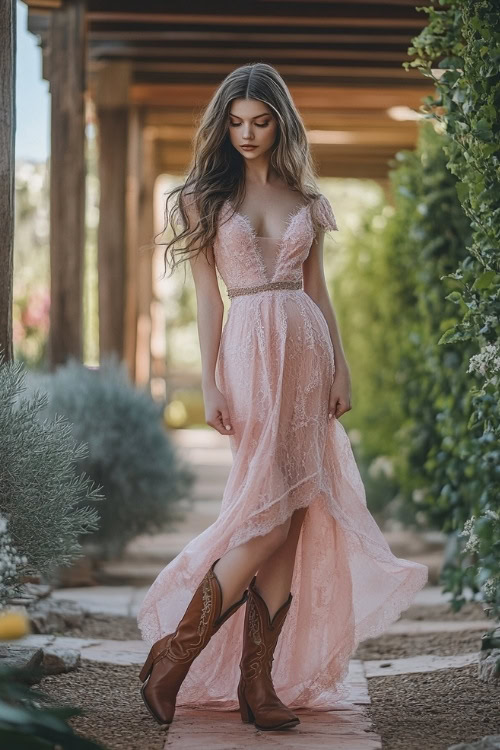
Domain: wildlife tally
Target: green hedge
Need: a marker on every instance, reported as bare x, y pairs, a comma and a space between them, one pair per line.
462, 38
411, 394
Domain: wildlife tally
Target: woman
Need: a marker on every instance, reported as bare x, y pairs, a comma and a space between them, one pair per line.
275, 380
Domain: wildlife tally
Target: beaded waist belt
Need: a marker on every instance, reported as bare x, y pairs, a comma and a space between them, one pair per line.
236, 291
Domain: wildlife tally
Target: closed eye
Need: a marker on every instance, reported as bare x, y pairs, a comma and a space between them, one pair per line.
259, 125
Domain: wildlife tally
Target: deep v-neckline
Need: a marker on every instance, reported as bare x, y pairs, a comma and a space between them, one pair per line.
255, 237
291, 217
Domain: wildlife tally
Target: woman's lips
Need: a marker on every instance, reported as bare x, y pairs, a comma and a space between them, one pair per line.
249, 148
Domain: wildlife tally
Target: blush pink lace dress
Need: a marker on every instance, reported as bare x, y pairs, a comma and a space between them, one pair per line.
275, 367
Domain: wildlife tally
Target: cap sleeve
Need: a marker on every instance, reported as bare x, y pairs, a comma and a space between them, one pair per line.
322, 213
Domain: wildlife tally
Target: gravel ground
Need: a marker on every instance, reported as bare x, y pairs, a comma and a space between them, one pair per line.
115, 716
399, 646
433, 711
121, 628
469, 611
112, 627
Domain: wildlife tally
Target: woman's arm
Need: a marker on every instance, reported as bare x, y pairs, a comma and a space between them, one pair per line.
210, 312
315, 287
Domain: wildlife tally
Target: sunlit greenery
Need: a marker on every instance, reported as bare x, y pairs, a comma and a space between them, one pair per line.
463, 40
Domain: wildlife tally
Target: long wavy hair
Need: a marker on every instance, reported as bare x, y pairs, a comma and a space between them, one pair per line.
217, 170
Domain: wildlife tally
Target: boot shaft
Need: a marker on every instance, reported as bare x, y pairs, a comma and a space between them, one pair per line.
260, 634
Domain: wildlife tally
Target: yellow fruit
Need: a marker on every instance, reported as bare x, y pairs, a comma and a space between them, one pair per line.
13, 625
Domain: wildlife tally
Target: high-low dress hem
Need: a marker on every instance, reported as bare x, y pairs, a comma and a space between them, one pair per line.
276, 366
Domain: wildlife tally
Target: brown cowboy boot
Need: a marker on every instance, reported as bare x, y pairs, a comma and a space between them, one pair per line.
170, 658
259, 703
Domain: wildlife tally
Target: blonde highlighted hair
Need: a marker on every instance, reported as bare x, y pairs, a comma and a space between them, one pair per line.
217, 172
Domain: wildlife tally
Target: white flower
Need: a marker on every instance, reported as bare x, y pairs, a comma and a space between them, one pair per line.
487, 362
489, 588
381, 465
468, 527
418, 495
492, 514
473, 543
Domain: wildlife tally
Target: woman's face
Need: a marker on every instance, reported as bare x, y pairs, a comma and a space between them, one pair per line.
251, 123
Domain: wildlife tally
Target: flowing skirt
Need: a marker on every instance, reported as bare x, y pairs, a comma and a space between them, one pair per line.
275, 367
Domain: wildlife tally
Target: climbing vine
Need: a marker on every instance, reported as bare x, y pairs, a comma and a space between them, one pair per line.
459, 50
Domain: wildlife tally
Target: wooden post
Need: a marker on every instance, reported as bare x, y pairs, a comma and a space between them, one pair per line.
145, 260
112, 114
67, 180
140, 247
132, 239
7, 169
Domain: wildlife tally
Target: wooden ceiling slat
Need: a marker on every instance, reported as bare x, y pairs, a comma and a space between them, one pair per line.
379, 3
217, 20
286, 69
106, 51
269, 8
195, 35
390, 137
326, 99
364, 119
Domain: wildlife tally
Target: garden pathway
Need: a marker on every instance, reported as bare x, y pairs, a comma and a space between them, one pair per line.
349, 726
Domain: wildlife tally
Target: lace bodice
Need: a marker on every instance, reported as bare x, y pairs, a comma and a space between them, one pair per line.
245, 259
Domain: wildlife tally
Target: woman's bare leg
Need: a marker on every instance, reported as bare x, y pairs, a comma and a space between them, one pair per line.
274, 578
238, 566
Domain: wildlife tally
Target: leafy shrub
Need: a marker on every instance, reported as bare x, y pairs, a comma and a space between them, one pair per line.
465, 38
131, 456
412, 403
431, 232
41, 497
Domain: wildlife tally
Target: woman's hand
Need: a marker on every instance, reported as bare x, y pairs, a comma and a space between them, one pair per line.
216, 411
340, 393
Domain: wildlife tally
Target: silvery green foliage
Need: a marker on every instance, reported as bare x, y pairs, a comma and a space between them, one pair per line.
131, 456
41, 495
11, 564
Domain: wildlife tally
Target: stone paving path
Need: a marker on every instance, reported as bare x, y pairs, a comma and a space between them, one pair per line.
347, 727
344, 729
413, 664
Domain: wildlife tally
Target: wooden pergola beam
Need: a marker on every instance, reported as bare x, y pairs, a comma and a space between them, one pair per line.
102, 33
325, 98
7, 169
142, 171
337, 20
67, 181
143, 52
112, 108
